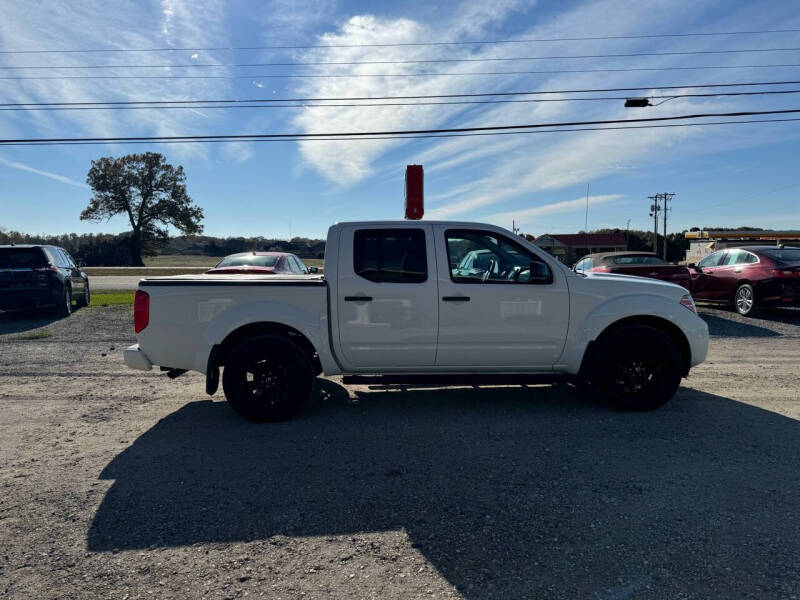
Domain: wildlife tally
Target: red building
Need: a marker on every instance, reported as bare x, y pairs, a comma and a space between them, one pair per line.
569, 247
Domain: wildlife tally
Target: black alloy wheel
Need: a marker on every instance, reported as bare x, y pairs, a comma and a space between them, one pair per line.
64, 308
268, 378
640, 368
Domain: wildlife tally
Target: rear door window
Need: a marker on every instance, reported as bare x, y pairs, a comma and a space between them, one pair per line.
390, 255
60, 257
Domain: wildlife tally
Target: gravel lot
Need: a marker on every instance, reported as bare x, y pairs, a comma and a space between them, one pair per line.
118, 484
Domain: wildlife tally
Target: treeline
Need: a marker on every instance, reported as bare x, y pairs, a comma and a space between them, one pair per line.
94, 249
677, 244
216, 246
114, 250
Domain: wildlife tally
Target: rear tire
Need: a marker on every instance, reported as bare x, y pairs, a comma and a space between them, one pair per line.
64, 308
268, 378
639, 367
744, 300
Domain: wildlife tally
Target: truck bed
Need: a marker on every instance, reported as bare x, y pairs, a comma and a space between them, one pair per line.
190, 313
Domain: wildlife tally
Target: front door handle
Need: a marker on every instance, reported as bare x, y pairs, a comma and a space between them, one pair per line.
358, 298
455, 298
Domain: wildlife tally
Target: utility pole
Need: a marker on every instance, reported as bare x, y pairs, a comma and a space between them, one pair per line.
654, 208
667, 197
627, 232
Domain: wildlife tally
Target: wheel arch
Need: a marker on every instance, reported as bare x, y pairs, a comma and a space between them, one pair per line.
238, 335
664, 325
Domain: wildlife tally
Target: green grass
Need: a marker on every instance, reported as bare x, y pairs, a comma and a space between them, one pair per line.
313, 262
112, 297
39, 334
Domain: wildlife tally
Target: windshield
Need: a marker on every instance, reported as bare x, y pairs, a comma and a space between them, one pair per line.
248, 260
787, 255
637, 260
11, 258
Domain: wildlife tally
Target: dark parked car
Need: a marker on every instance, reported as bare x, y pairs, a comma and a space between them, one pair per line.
36, 276
261, 263
749, 278
641, 264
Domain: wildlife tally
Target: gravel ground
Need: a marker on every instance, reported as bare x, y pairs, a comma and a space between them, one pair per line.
118, 484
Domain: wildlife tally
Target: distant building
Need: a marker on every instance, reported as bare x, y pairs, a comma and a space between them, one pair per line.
569, 247
703, 243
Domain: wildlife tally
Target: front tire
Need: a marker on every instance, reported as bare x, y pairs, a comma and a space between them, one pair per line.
87, 297
744, 300
639, 367
268, 378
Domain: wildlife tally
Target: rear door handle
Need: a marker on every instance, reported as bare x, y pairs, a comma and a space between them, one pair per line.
358, 298
455, 298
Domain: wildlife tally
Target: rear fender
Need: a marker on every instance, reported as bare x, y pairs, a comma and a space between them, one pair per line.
312, 325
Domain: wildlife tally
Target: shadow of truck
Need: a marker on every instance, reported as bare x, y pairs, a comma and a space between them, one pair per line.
509, 493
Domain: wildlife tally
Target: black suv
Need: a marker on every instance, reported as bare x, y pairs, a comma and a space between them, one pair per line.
34, 276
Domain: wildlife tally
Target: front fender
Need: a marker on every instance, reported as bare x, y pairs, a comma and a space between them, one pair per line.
588, 325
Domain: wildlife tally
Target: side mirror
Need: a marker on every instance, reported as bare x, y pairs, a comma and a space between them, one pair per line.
695, 267
80, 263
313, 270
540, 273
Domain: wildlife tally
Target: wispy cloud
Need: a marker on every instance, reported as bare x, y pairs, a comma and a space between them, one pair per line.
526, 216
55, 176
70, 25
513, 168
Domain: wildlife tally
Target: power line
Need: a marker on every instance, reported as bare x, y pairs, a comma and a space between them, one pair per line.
169, 106
403, 44
424, 74
356, 134
417, 97
408, 137
403, 62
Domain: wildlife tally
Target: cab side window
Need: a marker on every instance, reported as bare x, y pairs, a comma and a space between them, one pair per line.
487, 257
390, 255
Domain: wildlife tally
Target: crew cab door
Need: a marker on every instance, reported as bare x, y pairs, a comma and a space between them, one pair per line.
501, 318
387, 302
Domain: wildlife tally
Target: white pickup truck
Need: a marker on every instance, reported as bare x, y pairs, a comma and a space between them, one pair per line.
419, 302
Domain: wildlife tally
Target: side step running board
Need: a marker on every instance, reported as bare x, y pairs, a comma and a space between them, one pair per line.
458, 379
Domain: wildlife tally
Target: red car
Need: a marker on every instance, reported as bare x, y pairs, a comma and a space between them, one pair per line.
749, 277
261, 263
641, 264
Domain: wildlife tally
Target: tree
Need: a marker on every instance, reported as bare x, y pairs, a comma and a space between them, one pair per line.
150, 191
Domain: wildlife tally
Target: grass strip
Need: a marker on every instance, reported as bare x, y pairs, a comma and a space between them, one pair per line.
112, 297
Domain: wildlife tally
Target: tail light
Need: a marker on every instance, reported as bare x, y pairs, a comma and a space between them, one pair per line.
141, 310
45, 269
785, 273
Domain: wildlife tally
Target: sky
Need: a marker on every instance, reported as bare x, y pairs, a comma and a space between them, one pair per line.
721, 175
